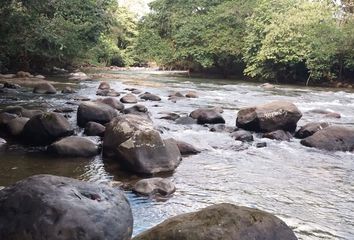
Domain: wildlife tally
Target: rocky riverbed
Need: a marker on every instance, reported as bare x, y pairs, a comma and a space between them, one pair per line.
257, 160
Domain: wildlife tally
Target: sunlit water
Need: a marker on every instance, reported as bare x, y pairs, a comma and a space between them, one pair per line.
311, 190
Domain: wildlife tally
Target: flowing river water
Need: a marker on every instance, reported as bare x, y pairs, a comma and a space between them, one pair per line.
311, 190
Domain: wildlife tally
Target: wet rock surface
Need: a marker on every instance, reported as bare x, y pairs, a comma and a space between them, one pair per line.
222, 221
152, 186
58, 208
74, 147
94, 112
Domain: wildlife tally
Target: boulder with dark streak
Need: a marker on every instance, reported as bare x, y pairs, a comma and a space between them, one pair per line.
46, 207
153, 186
332, 138
278, 115
221, 221
133, 141
207, 116
74, 147
242, 135
279, 135
46, 128
94, 112
94, 129
310, 129
186, 148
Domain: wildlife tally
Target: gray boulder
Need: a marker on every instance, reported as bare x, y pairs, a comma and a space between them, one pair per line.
278, 115
152, 186
332, 138
133, 141
222, 221
16, 126
186, 148
107, 93
114, 103
74, 147
207, 116
242, 135
68, 90
129, 98
279, 135
57, 208
150, 97
46, 128
6, 117
44, 88
139, 110
191, 94
186, 121
310, 129
94, 112
104, 86
94, 129
22, 112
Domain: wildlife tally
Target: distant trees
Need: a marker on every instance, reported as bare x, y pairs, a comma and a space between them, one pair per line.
41, 33
283, 40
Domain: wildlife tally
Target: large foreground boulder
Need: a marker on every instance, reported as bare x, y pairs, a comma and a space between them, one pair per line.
207, 116
278, 115
94, 112
132, 140
222, 221
151, 186
74, 147
46, 128
57, 208
16, 125
333, 138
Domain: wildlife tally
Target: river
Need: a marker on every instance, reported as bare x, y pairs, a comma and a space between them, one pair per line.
311, 190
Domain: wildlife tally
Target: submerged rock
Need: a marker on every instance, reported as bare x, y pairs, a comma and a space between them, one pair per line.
152, 186
186, 121
74, 147
139, 110
332, 138
242, 135
132, 140
170, 116
107, 93
94, 112
191, 94
310, 129
44, 88
58, 208
46, 128
68, 90
207, 116
278, 115
186, 148
104, 86
222, 221
129, 98
80, 76
11, 85
94, 129
279, 135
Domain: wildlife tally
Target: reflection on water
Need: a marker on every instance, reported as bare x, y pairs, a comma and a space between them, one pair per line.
311, 190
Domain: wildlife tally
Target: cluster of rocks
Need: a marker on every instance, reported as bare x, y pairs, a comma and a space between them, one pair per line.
59, 208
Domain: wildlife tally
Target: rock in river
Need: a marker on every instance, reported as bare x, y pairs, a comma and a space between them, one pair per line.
74, 147
46, 128
310, 129
150, 97
242, 135
222, 221
153, 186
16, 126
94, 112
278, 115
207, 116
114, 103
129, 98
279, 135
57, 208
186, 148
94, 129
132, 140
332, 138
44, 88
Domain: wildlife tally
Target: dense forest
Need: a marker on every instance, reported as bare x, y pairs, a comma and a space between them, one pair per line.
283, 40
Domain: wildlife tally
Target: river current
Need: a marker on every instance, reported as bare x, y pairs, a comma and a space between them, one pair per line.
311, 190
